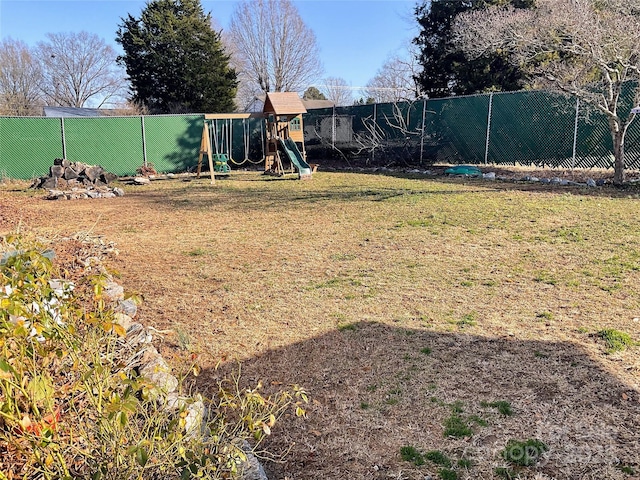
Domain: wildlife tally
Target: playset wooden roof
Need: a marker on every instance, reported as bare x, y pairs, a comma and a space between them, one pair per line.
283, 103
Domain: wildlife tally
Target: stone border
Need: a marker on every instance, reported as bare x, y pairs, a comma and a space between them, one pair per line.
152, 366
84, 193
144, 356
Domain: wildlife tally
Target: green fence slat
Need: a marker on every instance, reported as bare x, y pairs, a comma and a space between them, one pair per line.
531, 128
173, 141
456, 128
28, 146
115, 143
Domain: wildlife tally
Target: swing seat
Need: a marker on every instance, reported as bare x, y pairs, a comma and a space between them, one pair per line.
220, 164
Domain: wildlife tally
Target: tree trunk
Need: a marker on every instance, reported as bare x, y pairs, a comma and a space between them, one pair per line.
618, 135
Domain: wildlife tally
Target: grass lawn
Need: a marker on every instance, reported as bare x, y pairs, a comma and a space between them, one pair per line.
445, 318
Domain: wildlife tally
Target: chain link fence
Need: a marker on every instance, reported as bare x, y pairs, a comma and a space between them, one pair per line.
28, 145
526, 128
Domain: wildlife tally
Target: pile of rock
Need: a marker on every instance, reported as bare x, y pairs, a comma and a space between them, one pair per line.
76, 180
153, 367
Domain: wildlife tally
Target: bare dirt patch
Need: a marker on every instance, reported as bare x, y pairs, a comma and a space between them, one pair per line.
397, 302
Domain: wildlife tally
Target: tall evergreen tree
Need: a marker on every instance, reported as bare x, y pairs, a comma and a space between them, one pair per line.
446, 70
175, 61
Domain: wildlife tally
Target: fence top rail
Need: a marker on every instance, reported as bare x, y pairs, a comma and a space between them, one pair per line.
102, 117
232, 116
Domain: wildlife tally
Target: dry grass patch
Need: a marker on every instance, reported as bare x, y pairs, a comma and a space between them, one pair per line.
391, 300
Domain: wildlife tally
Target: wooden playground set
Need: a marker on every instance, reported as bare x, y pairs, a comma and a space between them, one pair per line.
283, 138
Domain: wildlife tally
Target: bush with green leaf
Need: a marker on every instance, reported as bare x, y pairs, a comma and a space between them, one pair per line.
72, 404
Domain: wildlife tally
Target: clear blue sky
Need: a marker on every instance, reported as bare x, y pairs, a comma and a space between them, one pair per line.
355, 36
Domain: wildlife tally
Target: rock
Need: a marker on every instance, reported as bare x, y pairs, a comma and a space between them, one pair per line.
93, 194
156, 370
113, 292
78, 167
128, 307
56, 171
49, 183
141, 180
534, 179
600, 182
555, 181
118, 192
55, 195
122, 319
70, 174
108, 177
93, 173
489, 176
545, 180
37, 182
137, 335
251, 469
196, 414
62, 162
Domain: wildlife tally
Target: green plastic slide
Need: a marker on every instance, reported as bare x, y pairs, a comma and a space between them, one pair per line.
295, 157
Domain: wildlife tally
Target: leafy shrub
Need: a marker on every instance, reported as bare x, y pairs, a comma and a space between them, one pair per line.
72, 404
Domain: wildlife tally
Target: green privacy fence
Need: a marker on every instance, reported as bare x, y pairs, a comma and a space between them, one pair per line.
526, 128
28, 145
171, 143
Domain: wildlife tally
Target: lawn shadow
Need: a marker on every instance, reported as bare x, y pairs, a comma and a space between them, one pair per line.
375, 388
200, 194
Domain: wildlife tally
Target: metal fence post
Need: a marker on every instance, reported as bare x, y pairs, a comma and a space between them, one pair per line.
144, 143
64, 139
486, 146
375, 132
424, 114
333, 128
575, 135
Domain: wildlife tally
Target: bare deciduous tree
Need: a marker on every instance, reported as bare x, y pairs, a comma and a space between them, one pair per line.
20, 80
79, 70
394, 81
248, 89
338, 91
586, 48
274, 49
